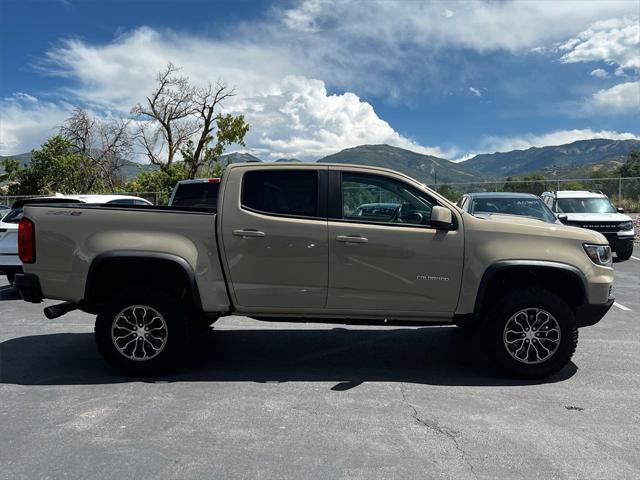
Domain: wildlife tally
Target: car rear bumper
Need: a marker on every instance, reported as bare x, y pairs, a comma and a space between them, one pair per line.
28, 285
9, 260
592, 313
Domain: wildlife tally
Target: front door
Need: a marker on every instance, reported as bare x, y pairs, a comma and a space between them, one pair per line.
384, 255
275, 238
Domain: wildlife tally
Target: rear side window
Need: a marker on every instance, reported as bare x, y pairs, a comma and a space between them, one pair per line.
281, 192
196, 194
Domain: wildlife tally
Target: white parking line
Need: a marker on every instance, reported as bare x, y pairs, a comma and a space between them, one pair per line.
635, 258
621, 307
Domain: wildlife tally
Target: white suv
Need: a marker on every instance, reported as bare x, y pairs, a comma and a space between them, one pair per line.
594, 211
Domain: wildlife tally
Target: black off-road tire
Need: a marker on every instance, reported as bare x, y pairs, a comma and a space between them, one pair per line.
176, 324
517, 300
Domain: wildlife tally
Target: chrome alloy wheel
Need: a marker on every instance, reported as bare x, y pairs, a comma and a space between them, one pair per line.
139, 332
531, 335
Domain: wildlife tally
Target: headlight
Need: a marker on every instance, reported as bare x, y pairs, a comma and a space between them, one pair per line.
626, 226
599, 254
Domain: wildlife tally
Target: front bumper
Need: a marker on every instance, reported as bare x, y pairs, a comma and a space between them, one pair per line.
28, 285
592, 313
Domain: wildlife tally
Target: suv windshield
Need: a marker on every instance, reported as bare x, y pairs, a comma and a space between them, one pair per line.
528, 207
585, 205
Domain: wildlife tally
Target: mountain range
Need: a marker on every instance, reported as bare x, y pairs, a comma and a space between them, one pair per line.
573, 160
426, 168
558, 161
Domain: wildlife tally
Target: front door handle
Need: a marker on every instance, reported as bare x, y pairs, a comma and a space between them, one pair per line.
248, 233
351, 239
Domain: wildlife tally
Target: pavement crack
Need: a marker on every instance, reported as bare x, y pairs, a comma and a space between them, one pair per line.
435, 427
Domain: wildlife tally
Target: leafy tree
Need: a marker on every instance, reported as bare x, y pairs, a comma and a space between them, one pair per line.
449, 192
631, 166
55, 167
158, 180
10, 166
534, 183
601, 173
573, 186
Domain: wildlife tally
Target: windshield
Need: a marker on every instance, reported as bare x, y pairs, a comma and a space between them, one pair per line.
585, 205
201, 194
528, 207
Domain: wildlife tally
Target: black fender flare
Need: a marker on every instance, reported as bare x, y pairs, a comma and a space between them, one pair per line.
503, 265
88, 303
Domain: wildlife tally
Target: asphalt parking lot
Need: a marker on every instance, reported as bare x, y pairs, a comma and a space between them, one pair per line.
282, 400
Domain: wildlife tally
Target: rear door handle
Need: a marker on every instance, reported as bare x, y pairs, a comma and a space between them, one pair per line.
351, 239
248, 233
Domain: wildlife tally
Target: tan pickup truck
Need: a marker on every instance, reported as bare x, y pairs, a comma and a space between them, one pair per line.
316, 242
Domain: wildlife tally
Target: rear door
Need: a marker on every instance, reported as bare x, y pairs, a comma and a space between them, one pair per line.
392, 261
274, 233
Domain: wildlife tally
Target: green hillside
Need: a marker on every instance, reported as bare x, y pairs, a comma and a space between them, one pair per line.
568, 160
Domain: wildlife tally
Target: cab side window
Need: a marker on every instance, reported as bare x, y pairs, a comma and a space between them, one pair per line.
281, 192
378, 199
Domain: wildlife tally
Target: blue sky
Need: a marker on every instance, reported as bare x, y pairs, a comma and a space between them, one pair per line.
450, 78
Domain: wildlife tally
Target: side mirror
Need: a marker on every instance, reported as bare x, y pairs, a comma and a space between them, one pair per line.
563, 218
620, 210
441, 218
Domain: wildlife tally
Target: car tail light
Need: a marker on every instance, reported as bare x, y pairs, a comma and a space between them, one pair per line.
214, 180
27, 241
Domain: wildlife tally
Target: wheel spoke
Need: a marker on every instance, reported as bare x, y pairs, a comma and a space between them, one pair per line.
139, 332
531, 335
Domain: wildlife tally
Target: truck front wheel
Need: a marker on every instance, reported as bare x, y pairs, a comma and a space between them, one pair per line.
531, 333
141, 331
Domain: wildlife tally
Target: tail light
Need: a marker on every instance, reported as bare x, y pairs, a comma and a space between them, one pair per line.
27, 241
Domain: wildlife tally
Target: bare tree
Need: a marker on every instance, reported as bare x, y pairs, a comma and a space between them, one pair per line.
179, 118
104, 144
167, 118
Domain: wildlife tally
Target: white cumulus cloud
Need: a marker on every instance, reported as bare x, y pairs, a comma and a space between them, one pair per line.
599, 73
615, 41
26, 122
621, 98
290, 114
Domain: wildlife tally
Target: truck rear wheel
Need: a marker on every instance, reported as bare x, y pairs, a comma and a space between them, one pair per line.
531, 333
141, 332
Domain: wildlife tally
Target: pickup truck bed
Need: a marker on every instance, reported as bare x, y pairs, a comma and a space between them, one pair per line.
68, 256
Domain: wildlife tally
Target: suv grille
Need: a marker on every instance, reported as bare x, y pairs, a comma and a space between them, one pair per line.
597, 226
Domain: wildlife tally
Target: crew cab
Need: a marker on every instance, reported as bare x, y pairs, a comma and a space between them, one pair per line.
291, 242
